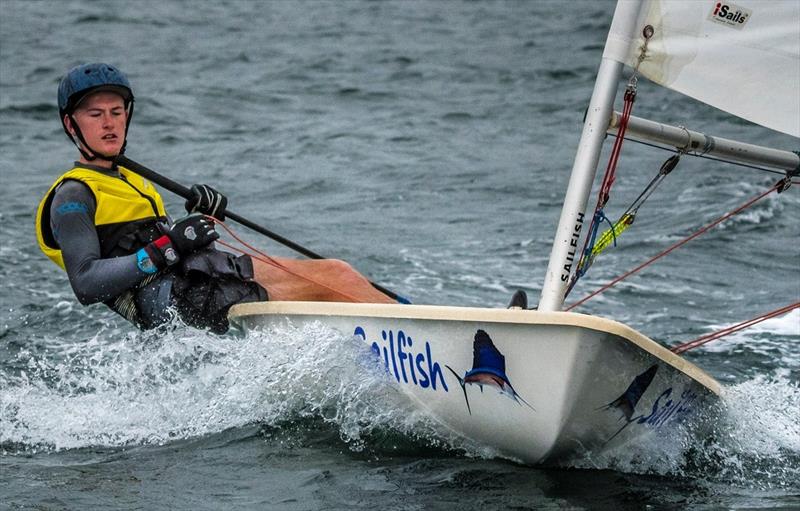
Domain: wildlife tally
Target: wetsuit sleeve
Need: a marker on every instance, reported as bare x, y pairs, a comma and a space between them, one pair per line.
72, 220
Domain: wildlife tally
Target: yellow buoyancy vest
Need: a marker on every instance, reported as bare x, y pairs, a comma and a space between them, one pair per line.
121, 202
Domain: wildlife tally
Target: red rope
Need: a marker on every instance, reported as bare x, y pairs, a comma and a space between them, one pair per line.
731, 329
608, 179
611, 169
679, 244
266, 259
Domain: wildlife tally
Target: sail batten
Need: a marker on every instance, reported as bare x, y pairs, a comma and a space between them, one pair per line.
743, 57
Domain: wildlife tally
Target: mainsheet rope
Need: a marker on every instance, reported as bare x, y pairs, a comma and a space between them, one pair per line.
779, 186
266, 259
732, 329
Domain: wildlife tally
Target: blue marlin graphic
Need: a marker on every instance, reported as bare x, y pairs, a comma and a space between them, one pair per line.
488, 368
626, 403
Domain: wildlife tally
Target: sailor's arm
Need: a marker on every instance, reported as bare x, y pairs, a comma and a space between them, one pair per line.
72, 220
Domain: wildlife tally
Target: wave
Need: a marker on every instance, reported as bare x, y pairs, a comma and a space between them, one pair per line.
751, 441
160, 387
774, 338
157, 387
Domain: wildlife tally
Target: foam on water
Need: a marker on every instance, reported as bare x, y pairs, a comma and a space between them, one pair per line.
778, 335
751, 440
153, 388
755, 441
158, 387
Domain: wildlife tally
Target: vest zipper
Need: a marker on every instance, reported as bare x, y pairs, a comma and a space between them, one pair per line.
149, 199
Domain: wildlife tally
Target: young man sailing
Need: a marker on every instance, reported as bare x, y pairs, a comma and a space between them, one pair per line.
107, 228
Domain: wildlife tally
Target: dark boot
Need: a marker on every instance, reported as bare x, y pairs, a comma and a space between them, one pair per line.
519, 300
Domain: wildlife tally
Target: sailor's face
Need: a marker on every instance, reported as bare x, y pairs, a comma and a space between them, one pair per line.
101, 118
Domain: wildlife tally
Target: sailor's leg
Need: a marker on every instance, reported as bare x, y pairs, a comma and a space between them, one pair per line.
328, 280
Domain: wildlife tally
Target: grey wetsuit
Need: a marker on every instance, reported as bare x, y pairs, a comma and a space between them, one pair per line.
93, 278
201, 287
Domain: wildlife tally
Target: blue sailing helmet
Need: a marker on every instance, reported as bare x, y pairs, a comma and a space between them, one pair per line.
86, 79
81, 80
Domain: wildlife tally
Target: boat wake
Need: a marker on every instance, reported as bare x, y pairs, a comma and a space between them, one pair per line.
752, 440
119, 390
151, 388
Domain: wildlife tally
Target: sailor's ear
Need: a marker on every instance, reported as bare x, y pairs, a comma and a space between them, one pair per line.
68, 124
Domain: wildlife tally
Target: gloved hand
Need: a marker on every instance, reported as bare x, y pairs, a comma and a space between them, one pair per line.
208, 201
187, 235
192, 233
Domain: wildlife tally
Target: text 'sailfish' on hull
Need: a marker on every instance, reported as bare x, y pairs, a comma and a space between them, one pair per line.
408, 362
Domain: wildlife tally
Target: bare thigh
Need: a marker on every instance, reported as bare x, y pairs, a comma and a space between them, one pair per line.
315, 280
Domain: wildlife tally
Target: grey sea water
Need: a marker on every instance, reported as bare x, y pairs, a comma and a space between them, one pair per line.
429, 144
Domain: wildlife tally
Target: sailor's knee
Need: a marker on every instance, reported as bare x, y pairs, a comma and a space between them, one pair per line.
338, 266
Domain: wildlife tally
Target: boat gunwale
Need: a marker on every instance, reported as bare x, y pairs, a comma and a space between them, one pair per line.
477, 315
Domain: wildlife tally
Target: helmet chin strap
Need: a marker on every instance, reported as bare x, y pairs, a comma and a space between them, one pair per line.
81, 143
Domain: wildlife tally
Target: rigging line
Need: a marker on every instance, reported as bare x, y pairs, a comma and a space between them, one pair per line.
267, 259
666, 167
272, 262
706, 157
605, 187
732, 329
716, 222
629, 216
611, 169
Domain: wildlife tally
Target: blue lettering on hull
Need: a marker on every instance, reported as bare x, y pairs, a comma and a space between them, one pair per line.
408, 365
664, 408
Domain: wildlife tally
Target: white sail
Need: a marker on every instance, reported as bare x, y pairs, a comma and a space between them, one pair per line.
742, 57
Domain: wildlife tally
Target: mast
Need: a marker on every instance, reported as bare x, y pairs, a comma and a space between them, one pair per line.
565, 252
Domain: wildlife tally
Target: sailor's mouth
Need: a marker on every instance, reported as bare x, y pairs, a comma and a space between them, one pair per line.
110, 136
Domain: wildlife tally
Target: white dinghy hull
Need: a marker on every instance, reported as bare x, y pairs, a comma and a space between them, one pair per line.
538, 387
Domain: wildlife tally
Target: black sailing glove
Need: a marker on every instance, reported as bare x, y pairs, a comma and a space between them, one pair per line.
208, 201
192, 233
187, 235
